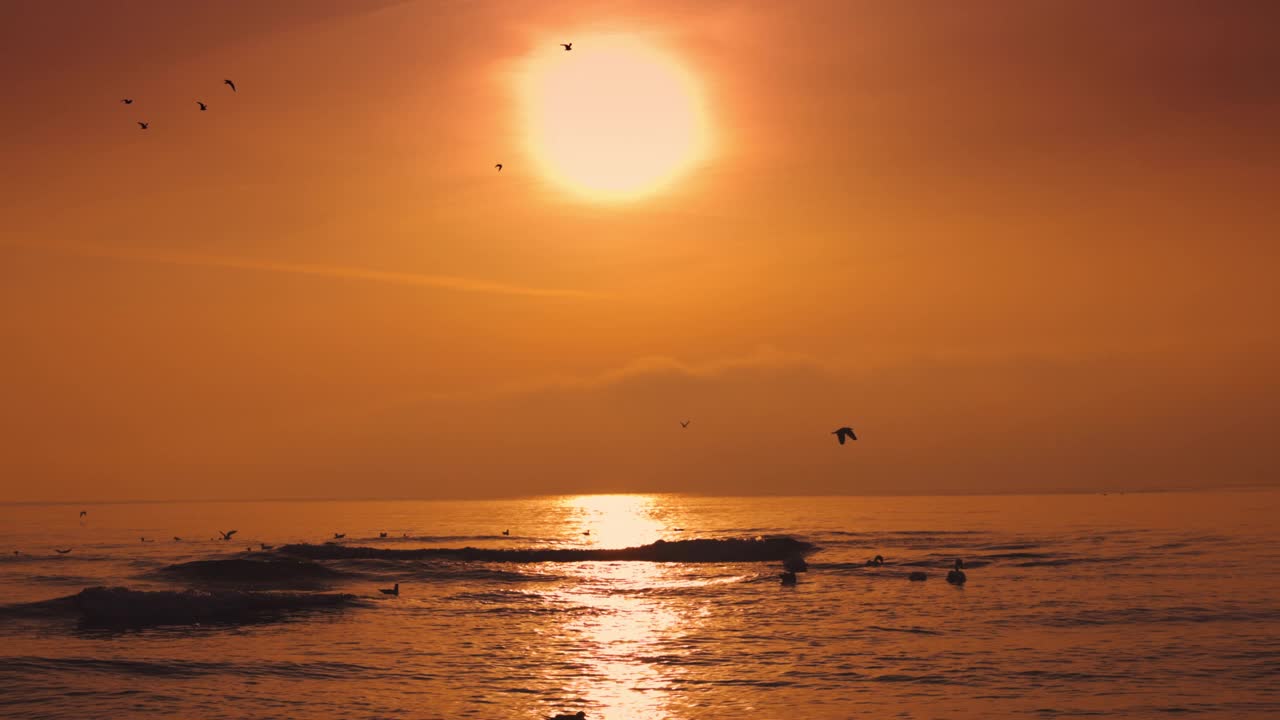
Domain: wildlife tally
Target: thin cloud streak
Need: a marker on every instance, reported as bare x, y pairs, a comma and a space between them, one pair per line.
443, 282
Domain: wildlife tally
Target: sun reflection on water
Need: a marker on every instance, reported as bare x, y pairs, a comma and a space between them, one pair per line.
615, 521
624, 631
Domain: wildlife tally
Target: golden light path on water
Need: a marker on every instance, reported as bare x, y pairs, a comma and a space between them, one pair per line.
626, 627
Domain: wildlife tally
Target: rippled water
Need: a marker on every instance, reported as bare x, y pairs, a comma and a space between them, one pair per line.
1111, 605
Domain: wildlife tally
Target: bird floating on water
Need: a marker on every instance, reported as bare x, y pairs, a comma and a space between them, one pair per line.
393, 590
506, 532
62, 552
566, 716
382, 534
586, 532
844, 433
83, 513
127, 101
339, 536
567, 46
876, 561
144, 539
227, 535
917, 576
956, 576
265, 546
177, 539
231, 84
203, 107
143, 125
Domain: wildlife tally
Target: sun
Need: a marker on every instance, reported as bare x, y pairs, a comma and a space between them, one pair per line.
613, 118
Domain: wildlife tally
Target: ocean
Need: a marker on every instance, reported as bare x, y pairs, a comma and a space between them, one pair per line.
1110, 605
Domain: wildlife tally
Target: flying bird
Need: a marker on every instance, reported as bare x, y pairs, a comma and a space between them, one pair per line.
567, 46
203, 107
62, 552
844, 433
394, 590
228, 82
127, 101
685, 423
227, 535
498, 167
144, 125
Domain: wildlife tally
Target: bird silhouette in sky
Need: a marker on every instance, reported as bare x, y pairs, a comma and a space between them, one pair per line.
567, 46
227, 535
143, 125
203, 107
844, 433
231, 84
498, 167
685, 423
127, 101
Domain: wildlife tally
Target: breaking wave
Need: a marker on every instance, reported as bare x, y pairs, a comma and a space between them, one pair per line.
687, 551
123, 606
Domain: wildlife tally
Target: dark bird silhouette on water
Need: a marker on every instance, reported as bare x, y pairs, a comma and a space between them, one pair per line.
83, 513
567, 46
127, 101
382, 534
62, 552
339, 536
876, 561
566, 716
917, 576
177, 539
506, 532
586, 532
844, 433
231, 84
144, 539
227, 535
203, 107
498, 167
265, 546
956, 576
685, 423
143, 125
393, 590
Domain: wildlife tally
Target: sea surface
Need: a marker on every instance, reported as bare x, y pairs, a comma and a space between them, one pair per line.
1115, 606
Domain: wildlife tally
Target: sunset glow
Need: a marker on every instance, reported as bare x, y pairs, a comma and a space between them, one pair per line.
613, 119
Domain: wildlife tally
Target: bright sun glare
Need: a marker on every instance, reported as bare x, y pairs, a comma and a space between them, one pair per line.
613, 119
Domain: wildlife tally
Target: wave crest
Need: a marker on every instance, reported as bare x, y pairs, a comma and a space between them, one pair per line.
687, 551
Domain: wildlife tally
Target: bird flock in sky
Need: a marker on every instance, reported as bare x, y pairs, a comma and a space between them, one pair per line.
204, 107
842, 434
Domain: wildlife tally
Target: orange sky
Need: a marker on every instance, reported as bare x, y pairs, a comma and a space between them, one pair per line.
1018, 246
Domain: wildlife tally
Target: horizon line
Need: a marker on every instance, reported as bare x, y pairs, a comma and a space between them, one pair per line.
500, 498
